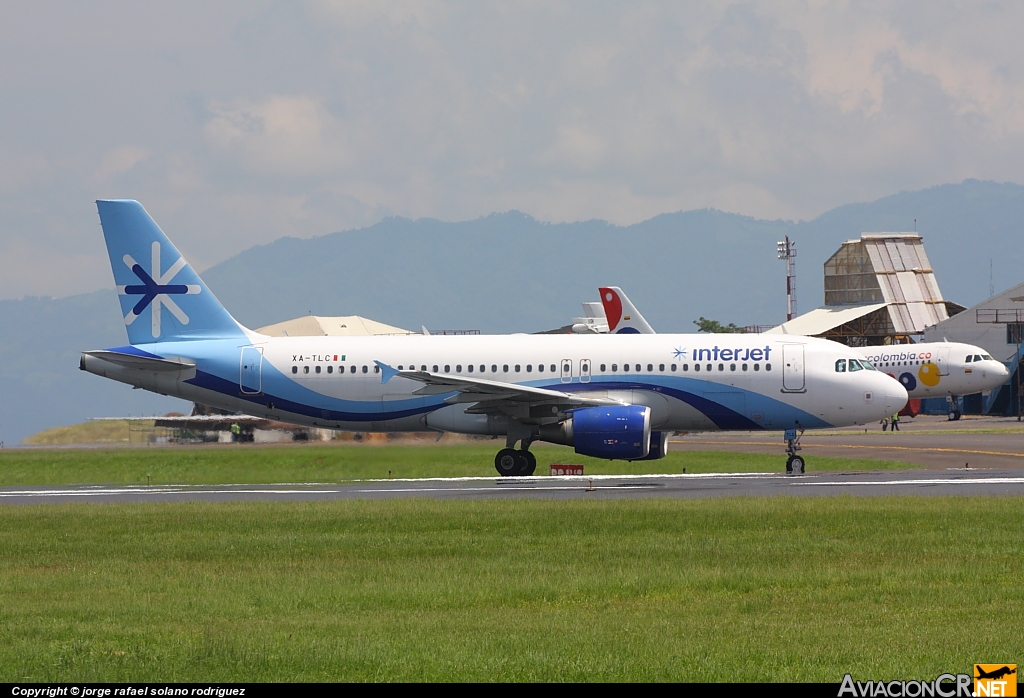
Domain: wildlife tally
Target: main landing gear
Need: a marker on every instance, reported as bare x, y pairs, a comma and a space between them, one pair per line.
511, 462
795, 463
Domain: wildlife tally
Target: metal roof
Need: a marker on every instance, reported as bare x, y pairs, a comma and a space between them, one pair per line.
341, 326
822, 320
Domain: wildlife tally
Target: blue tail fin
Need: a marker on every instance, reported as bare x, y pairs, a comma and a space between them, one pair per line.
162, 298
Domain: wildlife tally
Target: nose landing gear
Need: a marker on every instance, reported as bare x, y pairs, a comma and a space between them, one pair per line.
795, 463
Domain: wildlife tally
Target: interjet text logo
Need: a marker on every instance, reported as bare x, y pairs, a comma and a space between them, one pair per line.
156, 290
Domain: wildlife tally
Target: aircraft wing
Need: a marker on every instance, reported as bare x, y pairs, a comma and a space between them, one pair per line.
495, 397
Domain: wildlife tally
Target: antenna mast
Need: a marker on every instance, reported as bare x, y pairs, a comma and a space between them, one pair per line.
787, 252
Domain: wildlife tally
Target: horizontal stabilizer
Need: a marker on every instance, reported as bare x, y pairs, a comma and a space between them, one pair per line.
144, 363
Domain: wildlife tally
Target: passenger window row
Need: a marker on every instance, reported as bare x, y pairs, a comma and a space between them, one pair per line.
566, 368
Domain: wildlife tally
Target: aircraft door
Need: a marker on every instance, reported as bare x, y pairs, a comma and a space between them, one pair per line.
584, 370
251, 370
793, 379
567, 370
941, 359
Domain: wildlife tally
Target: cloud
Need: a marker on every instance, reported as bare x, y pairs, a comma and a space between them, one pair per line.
307, 117
118, 161
281, 135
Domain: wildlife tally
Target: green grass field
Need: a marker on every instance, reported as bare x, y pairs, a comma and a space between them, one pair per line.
780, 589
238, 463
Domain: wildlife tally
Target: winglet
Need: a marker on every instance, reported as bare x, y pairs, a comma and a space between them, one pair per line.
386, 372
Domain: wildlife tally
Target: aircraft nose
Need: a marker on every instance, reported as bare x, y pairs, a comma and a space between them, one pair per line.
895, 397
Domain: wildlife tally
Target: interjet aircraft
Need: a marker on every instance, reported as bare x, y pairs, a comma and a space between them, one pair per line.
926, 369
613, 397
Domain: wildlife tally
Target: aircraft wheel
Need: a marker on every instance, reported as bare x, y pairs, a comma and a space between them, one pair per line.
529, 464
795, 465
507, 462
954, 415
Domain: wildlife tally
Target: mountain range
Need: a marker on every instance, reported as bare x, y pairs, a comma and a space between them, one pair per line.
508, 272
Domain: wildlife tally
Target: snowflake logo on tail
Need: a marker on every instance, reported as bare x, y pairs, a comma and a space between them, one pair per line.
156, 290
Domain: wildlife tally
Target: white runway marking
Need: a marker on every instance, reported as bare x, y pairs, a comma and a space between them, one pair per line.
937, 481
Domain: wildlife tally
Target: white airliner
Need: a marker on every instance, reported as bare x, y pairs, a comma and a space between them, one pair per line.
926, 369
609, 397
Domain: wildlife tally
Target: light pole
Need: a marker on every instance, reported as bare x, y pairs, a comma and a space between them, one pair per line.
787, 252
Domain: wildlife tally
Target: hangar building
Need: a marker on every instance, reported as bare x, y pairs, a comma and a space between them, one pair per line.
997, 326
879, 289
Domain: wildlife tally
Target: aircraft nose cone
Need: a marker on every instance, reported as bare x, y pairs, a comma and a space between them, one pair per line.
895, 397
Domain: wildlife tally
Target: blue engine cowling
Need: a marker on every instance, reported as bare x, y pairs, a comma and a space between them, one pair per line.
616, 433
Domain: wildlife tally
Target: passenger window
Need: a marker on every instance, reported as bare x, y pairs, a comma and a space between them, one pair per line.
469, 368
540, 368
650, 368
400, 367
295, 369
494, 368
566, 368
529, 368
744, 367
767, 367
603, 369
330, 369
447, 368
553, 369
732, 367
458, 368
305, 369
673, 367
757, 367
615, 367
686, 367
696, 367
504, 369
434, 367
661, 367
638, 368
709, 367
352, 370
517, 368
841, 366
376, 369
721, 367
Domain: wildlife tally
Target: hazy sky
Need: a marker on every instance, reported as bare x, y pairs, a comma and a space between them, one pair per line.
239, 123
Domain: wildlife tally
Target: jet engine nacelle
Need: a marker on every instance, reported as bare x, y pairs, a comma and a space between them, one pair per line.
659, 446
616, 433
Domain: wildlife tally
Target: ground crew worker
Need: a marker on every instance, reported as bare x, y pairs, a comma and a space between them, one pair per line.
236, 432
896, 422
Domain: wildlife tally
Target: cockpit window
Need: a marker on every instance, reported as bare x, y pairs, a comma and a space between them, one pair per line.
855, 365
867, 365
977, 357
969, 359
841, 366
987, 357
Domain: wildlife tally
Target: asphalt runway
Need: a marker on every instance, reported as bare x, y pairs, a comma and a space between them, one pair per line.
950, 482
932, 442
